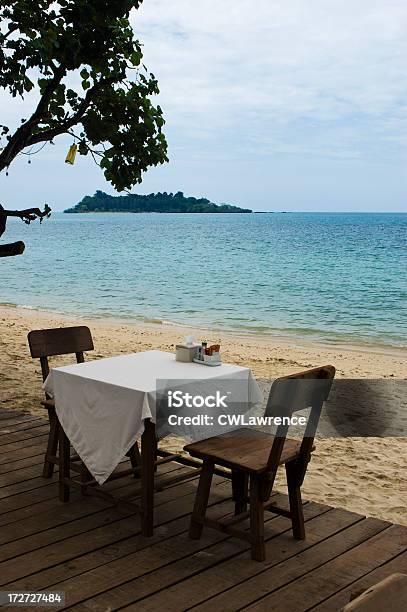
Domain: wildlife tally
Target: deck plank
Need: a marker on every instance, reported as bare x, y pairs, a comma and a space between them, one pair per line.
27, 526
5, 413
323, 581
228, 588
8, 491
27, 472
342, 597
235, 580
28, 498
44, 549
325, 539
24, 462
22, 452
96, 554
7, 436
152, 584
6, 449
170, 521
19, 424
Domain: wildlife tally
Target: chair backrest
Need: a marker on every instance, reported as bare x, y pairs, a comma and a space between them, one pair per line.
289, 394
46, 343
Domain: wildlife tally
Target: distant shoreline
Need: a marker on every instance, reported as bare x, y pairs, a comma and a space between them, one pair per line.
273, 336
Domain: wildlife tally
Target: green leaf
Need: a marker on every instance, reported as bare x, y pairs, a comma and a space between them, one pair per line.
136, 58
121, 121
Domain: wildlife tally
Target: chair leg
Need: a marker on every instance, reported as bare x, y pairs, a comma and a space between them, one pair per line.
52, 445
85, 476
156, 453
135, 459
64, 465
147, 478
239, 491
201, 500
294, 496
256, 520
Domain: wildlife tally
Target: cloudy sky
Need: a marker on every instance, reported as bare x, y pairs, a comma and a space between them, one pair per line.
273, 104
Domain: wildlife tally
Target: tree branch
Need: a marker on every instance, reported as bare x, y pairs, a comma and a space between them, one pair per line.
47, 95
28, 214
20, 137
10, 31
63, 127
9, 250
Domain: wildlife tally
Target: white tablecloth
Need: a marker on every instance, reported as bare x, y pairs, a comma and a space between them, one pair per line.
101, 404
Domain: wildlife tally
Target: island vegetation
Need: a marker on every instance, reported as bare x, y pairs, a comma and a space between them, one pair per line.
154, 202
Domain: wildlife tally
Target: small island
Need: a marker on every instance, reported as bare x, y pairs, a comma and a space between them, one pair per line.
152, 203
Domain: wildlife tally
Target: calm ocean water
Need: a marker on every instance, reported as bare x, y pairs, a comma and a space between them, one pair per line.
325, 276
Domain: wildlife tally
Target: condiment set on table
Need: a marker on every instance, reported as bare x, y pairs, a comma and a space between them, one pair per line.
198, 353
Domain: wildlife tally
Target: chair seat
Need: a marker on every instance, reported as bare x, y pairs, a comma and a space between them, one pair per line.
244, 449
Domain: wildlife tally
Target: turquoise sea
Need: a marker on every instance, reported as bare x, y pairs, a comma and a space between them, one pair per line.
328, 277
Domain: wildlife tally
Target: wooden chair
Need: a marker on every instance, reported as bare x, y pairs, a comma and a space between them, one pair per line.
45, 343
255, 456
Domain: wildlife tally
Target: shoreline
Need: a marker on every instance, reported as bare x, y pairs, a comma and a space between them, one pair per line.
364, 475
291, 341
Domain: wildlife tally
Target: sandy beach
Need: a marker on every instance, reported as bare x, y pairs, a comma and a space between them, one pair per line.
368, 476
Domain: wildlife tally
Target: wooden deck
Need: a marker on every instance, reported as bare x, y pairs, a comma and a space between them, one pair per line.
96, 555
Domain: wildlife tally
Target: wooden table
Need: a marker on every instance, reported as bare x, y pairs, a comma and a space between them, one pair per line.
104, 405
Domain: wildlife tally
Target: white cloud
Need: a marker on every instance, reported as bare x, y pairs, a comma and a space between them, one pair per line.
255, 67
286, 103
